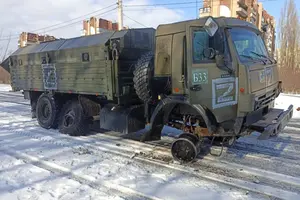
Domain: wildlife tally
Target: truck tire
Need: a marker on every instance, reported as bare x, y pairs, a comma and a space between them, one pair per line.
47, 111
72, 119
143, 73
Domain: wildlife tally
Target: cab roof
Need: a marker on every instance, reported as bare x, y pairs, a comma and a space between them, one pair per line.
177, 27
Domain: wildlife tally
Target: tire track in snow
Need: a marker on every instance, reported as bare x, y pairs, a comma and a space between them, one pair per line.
17, 98
239, 183
288, 152
112, 143
87, 179
133, 144
13, 94
153, 163
15, 102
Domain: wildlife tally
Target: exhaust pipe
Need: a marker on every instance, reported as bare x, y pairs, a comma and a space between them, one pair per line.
186, 148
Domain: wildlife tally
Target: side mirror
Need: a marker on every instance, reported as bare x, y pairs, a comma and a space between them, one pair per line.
211, 26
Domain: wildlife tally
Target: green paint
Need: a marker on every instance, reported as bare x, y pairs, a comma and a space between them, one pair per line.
199, 76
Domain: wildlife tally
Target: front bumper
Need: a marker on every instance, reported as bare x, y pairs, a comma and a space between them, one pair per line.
273, 122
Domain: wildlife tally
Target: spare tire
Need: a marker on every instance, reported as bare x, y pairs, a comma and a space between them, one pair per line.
47, 111
143, 73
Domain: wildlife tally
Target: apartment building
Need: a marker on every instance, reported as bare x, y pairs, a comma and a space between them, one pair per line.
33, 38
248, 10
96, 26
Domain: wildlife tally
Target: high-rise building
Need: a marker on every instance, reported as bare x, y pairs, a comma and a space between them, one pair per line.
26, 39
248, 10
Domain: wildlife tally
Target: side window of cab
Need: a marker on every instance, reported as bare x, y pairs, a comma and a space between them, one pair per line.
200, 42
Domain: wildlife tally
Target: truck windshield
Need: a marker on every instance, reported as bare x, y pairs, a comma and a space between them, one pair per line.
249, 45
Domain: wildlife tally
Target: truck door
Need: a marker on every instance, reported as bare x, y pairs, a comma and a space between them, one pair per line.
207, 84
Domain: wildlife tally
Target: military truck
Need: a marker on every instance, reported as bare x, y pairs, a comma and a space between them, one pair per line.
211, 78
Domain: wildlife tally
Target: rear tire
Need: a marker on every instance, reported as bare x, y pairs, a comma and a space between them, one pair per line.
47, 111
73, 120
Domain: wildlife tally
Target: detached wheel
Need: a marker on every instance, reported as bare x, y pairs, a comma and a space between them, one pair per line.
46, 111
73, 120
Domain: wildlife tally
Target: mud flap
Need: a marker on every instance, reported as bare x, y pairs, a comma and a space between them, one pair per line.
273, 122
120, 119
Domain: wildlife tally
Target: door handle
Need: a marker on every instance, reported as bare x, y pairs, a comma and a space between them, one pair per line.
196, 88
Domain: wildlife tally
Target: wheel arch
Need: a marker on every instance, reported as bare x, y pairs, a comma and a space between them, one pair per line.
164, 108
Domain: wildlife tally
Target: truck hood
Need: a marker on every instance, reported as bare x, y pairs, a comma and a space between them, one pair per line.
262, 76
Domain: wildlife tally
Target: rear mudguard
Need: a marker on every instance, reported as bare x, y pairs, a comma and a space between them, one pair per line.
162, 111
122, 119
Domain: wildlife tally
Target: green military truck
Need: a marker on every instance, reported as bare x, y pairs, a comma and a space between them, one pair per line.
209, 77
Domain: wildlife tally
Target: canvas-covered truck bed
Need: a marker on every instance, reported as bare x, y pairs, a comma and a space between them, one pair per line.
99, 64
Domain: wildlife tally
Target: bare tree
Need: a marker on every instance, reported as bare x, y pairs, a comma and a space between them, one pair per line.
1, 48
6, 49
289, 30
288, 55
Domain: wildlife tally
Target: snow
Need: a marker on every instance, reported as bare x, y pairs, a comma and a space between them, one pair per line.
5, 87
44, 164
285, 100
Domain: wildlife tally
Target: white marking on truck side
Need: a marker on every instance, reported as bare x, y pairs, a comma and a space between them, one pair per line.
226, 98
49, 76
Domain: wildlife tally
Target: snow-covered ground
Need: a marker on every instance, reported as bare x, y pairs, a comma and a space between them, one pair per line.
5, 87
44, 164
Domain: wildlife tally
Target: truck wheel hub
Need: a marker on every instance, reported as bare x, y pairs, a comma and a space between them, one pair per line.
184, 150
46, 111
69, 119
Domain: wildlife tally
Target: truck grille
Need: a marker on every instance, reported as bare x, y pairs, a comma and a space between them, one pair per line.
264, 100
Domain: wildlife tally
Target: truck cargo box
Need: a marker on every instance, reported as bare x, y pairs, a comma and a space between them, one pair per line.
100, 64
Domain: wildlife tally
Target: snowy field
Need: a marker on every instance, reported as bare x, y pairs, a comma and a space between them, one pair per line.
46, 165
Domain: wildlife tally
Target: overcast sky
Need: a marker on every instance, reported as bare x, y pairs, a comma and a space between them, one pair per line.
30, 15
35, 15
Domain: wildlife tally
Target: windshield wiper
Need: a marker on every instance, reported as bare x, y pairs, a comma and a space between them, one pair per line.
261, 55
253, 58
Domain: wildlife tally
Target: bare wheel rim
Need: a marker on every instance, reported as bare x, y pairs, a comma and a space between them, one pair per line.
69, 118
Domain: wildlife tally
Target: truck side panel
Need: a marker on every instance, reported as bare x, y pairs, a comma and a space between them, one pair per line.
71, 72
79, 75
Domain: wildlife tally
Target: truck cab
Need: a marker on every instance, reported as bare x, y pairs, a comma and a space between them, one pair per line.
229, 69
223, 81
